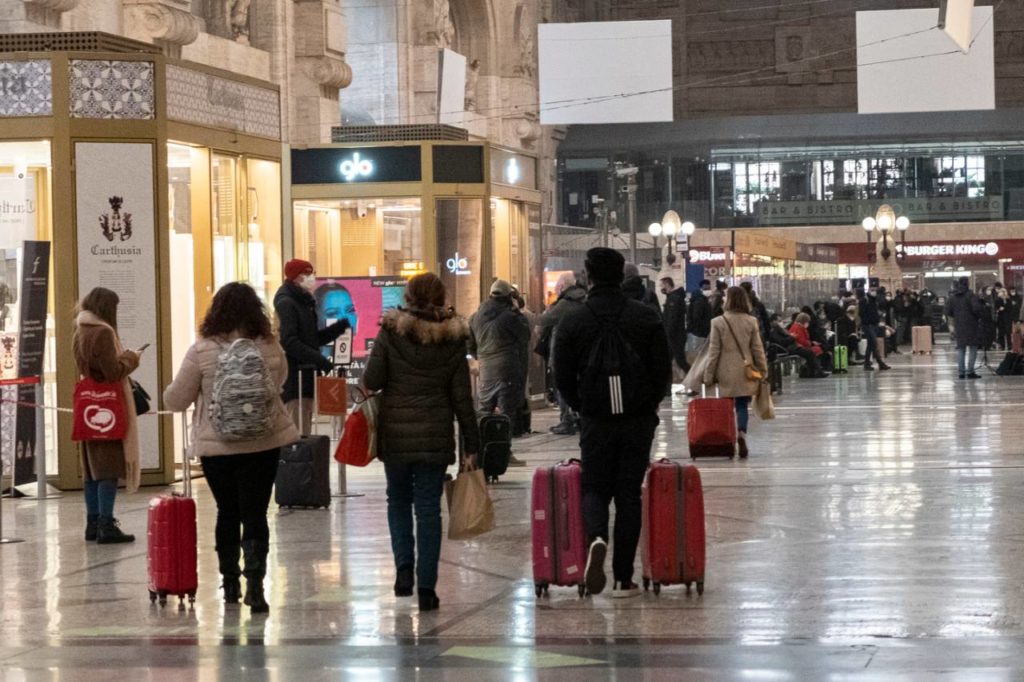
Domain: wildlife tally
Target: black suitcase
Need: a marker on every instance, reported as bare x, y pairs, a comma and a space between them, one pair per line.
495, 446
1012, 365
304, 471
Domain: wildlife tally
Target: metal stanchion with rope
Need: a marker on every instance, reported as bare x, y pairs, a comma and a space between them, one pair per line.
337, 427
12, 540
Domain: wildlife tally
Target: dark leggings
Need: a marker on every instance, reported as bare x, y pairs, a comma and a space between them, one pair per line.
241, 485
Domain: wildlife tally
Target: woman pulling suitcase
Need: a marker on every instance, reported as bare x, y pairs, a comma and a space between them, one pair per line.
234, 374
736, 359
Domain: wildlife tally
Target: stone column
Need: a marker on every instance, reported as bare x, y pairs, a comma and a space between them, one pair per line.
320, 70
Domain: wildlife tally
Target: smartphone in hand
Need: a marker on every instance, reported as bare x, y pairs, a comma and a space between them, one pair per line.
142, 348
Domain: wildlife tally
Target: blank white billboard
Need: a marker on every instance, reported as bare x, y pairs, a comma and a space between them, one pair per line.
451, 91
905, 63
605, 72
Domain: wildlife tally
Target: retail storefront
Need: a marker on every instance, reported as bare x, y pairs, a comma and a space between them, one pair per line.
462, 209
156, 178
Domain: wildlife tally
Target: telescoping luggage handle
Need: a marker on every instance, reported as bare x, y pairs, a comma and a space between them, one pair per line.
186, 450
704, 391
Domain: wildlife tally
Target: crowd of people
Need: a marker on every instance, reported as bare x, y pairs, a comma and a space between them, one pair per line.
612, 351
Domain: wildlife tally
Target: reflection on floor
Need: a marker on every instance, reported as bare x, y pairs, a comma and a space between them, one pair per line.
876, 530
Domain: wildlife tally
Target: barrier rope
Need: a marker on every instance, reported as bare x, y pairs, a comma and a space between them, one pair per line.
68, 410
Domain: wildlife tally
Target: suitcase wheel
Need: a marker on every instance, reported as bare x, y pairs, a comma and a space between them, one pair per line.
700, 587
163, 598
492, 479
582, 590
688, 588
152, 597
647, 584
657, 588
541, 590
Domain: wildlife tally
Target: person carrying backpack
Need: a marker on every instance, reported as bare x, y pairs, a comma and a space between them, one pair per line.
613, 365
234, 374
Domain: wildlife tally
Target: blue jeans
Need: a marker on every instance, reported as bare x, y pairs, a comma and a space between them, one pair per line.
871, 334
416, 487
966, 357
742, 413
99, 497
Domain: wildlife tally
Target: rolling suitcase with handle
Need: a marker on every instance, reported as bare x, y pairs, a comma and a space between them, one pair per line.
842, 359
672, 544
921, 339
559, 539
171, 541
304, 470
711, 427
495, 446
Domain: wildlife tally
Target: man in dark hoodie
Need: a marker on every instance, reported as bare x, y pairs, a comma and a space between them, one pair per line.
302, 339
698, 317
675, 321
499, 337
618, 418
718, 299
966, 311
634, 287
871, 325
570, 296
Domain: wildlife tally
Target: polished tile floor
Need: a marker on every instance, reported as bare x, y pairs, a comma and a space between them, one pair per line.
877, 532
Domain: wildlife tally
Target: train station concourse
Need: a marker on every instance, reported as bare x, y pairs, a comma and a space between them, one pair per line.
874, 533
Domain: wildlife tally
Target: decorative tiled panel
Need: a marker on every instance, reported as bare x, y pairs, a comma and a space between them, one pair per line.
209, 100
112, 89
26, 88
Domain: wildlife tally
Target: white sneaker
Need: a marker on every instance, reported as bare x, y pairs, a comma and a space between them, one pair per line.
593, 577
625, 590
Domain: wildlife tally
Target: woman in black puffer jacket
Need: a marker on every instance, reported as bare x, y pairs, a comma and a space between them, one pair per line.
419, 362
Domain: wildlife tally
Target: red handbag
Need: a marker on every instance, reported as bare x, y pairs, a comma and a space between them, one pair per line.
358, 444
99, 411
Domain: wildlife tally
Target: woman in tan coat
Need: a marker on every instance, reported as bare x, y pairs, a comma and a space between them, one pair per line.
735, 343
239, 471
100, 356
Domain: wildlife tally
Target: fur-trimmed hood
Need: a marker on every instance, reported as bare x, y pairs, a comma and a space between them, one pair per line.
418, 326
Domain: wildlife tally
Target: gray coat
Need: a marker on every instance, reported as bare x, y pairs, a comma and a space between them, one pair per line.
419, 363
499, 336
966, 310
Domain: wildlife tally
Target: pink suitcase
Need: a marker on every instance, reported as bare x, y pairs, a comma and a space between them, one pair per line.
559, 540
171, 555
922, 339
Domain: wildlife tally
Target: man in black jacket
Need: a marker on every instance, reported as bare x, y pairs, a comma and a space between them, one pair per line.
302, 339
570, 296
615, 444
871, 325
698, 317
675, 321
499, 337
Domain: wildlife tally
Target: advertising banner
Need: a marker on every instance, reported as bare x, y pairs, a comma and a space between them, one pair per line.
35, 286
362, 301
115, 217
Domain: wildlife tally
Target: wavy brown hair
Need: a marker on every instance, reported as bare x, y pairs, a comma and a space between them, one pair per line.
236, 308
102, 303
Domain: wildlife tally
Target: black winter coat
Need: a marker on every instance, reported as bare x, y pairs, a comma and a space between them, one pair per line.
698, 317
642, 330
635, 288
675, 324
301, 338
499, 336
870, 315
967, 311
419, 363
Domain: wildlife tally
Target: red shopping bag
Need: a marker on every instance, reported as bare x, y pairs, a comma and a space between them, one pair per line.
358, 444
99, 411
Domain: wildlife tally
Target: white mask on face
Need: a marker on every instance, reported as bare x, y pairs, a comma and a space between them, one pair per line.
308, 282
706, 292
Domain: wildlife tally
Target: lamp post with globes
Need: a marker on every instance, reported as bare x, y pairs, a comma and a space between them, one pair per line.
886, 222
676, 232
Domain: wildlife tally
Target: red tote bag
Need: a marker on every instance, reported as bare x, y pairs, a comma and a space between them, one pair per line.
99, 411
358, 444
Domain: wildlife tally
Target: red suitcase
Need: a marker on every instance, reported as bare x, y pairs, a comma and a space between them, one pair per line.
559, 540
171, 550
711, 427
672, 542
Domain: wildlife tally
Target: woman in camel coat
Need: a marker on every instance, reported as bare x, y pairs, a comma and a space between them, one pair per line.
735, 341
100, 356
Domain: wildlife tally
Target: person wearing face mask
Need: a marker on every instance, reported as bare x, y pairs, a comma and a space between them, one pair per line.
1004, 319
302, 339
871, 325
847, 328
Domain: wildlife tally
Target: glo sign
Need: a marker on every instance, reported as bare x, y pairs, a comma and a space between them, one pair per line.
458, 265
352, 165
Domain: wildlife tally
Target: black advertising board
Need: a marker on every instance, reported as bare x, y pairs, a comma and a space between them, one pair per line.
355, 165
35, 284
458, 163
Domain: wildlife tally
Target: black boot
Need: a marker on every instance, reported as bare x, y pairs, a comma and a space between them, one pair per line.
108, 532
227, 558
255, 569
405, 580
428, 600
91, 527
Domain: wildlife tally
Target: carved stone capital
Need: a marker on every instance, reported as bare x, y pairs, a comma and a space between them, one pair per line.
54, 5
330, 72
167, 20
